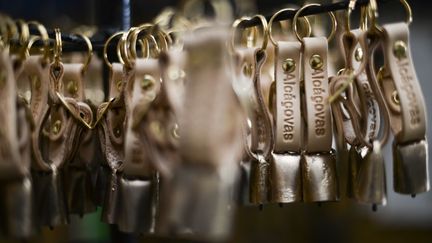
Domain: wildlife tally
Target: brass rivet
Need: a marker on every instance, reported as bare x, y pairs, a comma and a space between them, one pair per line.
358, 54
147, 82
56, 126
399, 49
175, 73
175, 131
35, 81
247, 69
289, 65
72, 87
157, 130
395, 97
316, 62
119, 85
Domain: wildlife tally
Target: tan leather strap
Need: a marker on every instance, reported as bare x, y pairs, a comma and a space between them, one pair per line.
370, 42
248, 87
209, 99
60, 140
368, 104
141, 89
112, 127
9, 147
400, 66
73, 81
319, 128
173, 64
287, 111
37, 74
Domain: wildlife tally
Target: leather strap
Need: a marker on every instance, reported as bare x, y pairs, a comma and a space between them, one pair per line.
209, 99
248, 87
111, 127
9, 147
370, 42
319, 128
141, 90
73, 79
287, 118
60, 140
409, 124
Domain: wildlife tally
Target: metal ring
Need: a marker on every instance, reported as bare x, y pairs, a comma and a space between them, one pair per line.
105, 48
31, 41
263, 24
44, 37
134, 36
89, 50
332, 17
270, 24
58, 46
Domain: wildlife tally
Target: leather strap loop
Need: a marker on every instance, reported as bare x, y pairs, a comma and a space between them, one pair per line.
287, 118
319, 128
248, 87
400, 65
9, 146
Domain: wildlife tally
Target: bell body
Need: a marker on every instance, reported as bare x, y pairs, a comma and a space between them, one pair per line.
79, 191
285, 178
371, 179
137, 205
18, 208
259, 176
111, 199
319, 177
410, 168
197, 204
50, 205
244, 183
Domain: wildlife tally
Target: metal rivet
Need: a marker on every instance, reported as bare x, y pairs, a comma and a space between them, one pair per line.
175, 73
175, 131
399, 49
358, 54
72, 87
395, 97
56, 126
316, 62
157, 130
289, 65
247, 69
35, 81
119, 85
147, 82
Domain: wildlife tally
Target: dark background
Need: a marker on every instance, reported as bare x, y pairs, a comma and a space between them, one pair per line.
403, 220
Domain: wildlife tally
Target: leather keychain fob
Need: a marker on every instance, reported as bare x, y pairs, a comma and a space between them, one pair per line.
285, 169
404, 97
319, 162
16, 189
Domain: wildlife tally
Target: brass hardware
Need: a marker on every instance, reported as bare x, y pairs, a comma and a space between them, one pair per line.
358, 54
56, 127
72, 87
147, 82
400, 49
289, 65
316, 62
247, 69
